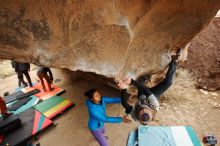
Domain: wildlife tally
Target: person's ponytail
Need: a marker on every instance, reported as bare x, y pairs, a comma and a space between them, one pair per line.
90, 93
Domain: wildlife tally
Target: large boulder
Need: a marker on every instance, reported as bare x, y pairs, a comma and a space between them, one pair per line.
105, 37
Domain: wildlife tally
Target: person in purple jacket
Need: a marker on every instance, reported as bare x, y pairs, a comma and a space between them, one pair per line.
97, 114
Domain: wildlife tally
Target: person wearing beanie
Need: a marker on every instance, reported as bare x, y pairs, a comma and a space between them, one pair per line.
147, 105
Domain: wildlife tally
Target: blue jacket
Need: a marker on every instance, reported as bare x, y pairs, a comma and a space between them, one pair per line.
97, 113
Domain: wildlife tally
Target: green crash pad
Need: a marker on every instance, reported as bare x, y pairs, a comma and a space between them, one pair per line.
53, 106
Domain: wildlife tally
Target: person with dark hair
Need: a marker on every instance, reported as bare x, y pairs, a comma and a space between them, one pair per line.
97, 114
42, 74
147, 104
22, 69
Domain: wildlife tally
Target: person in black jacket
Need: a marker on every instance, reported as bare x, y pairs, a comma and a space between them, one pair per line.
22, 69
42, 74
147, 104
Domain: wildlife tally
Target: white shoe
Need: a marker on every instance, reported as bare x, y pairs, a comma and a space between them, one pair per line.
154, 102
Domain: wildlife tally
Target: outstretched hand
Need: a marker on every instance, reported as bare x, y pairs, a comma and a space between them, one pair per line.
127, 80
121, 84
125, 119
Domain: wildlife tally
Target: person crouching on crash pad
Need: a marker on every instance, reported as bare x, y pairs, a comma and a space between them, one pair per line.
147, 105
3, 108
97, 114
42, 74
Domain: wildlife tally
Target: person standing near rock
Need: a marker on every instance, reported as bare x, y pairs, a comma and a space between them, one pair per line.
42, 74
147, 104
97, 115
22, 69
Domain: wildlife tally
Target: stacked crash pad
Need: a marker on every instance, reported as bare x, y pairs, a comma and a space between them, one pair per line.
32, 121
163, 136
19, 101
33, 101
9, 124
35, 112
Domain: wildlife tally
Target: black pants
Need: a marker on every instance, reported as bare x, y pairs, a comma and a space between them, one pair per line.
42, 76
159, 89
21, 78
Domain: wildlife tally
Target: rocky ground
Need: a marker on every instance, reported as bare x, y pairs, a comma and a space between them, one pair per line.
181, 105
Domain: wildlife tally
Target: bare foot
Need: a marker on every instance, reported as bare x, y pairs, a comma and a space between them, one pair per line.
51, 89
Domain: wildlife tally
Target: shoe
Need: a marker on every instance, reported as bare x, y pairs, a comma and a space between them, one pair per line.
154, 102
6, 115
6, 93
25, 84
176, 57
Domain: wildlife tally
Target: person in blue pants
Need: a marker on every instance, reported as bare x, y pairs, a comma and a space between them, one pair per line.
97, 114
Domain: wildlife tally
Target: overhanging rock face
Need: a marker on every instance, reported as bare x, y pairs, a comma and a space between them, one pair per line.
108, 37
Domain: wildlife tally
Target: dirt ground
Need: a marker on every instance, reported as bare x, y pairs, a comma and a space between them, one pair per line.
181, 105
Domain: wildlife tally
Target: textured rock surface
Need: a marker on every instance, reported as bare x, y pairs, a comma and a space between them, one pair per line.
108, 37
204, 56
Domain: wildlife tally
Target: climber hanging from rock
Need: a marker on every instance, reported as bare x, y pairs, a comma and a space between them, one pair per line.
147, 105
